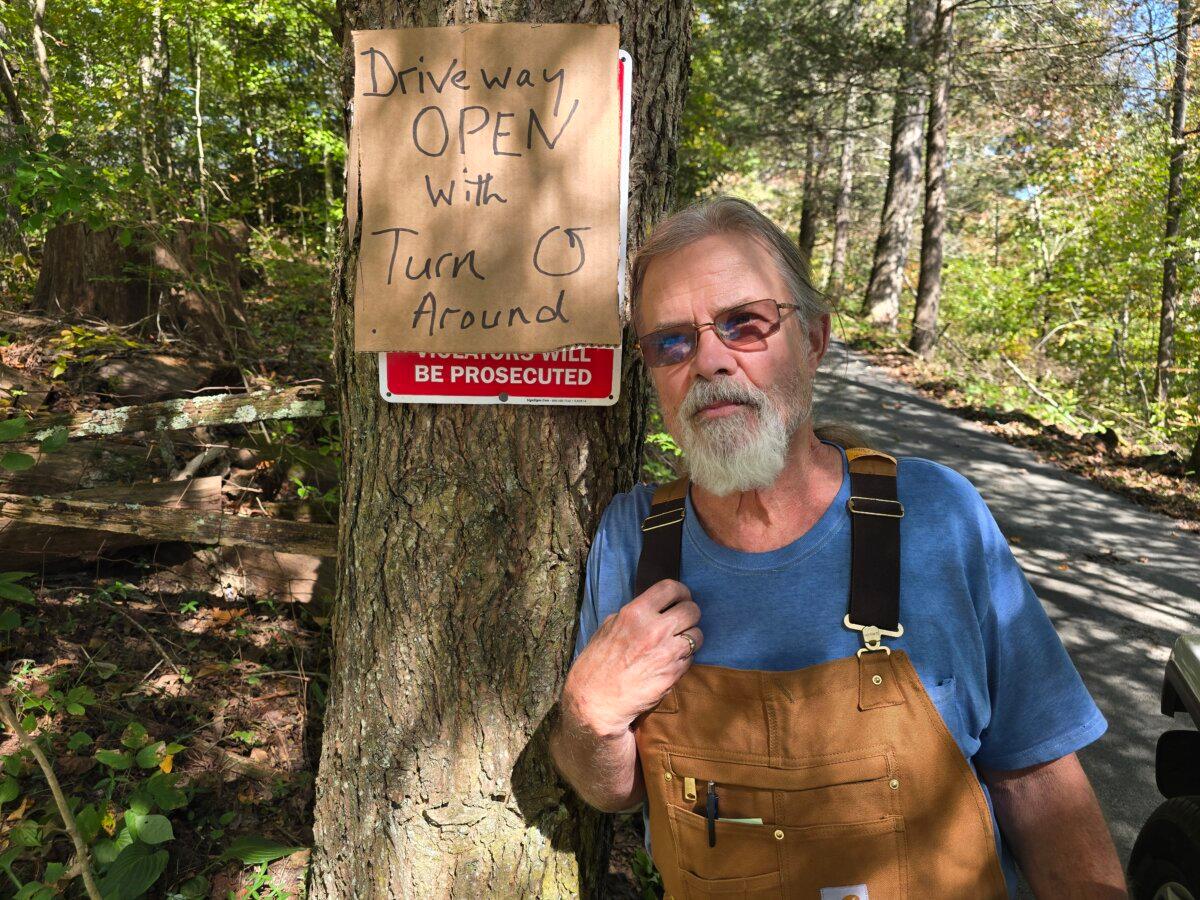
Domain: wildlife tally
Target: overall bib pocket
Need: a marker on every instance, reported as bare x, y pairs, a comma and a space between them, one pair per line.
742, 827
744, 863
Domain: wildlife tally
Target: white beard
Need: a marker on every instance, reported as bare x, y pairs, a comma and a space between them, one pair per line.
747, 449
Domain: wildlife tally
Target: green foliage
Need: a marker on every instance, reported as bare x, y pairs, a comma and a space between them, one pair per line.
1071, 298
78, 345
54, 182
11, 590
18, 461
254, 850
125, 80
649, 881
136, 867
662, 456
125, 818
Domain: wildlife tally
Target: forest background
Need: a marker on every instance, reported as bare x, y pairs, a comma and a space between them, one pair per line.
1000, 197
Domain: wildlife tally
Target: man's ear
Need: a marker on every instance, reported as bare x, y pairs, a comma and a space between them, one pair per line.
818, 337
812, 338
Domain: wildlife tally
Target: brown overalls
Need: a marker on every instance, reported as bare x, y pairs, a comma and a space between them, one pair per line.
846, 780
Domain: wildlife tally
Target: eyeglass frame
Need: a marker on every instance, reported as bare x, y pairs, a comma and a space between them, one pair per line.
697, 327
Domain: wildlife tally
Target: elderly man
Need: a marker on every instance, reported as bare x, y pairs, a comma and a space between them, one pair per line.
819, 666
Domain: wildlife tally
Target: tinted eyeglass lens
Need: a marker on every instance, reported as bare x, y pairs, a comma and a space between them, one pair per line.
748, 324
665, 348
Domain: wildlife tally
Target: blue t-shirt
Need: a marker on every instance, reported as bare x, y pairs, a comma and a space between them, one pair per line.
976, 633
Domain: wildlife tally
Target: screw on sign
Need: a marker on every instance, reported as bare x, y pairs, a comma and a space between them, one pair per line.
574, 375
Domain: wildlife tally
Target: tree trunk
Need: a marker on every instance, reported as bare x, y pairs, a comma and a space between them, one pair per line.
330, 199
808, 204
882, 300
464, 532
88, 272
162, 68
12, 104
1170, 282
38, 9
198, 118
816, 159
149, 177
929, 285
834, 285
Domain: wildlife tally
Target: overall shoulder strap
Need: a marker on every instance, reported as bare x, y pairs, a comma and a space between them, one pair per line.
875, 515
874, 540
662, 534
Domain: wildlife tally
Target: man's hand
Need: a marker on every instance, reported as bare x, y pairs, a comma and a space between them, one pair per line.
634, 658
1050, 817
630, 663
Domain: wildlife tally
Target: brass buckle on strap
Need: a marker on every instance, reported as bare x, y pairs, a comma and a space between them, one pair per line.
670, 512
868, 512
872, 635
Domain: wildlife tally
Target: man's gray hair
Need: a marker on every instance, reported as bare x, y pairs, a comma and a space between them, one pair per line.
726, 215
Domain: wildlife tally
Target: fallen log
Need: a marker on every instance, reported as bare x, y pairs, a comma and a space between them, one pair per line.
25, 543
83, 465
155, 523
301, 402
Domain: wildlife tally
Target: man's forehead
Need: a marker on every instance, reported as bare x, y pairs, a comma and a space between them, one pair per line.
714, 273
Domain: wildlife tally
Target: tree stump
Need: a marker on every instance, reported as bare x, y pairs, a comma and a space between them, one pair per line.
185, 277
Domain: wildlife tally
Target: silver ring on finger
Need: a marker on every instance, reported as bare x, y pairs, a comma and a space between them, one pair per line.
691, 642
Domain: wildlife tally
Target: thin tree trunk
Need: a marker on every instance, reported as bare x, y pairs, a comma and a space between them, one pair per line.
816, 164
161, 55
38, 8
150, 170
882, 300
12, 236
463, 536
841, 214
933, 226
16, 115
808, 204
300, 210
266, 204
1170, 282
330, 199
201, 174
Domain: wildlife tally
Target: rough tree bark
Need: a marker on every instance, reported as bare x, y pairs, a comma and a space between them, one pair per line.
464, 532
933, 226
1175, 201
841, 209
882, 300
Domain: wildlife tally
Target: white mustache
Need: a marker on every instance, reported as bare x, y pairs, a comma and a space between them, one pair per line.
724, 390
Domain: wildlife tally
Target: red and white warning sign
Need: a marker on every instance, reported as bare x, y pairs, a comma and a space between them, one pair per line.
573, 376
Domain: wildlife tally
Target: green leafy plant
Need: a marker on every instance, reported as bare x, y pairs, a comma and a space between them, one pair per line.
11, 589
16, 428
78, 344
645, 873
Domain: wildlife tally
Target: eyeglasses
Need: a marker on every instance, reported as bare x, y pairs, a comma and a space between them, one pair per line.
743, 327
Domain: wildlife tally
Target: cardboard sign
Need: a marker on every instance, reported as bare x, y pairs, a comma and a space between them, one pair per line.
484, 168
587, 375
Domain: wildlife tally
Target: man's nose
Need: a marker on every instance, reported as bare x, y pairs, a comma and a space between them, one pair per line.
712, 356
